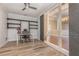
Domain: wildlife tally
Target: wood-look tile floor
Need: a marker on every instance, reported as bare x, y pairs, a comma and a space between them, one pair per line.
28, 49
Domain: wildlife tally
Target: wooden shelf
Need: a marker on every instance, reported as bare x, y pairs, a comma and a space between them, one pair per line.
13, 27
33, 25
14, 23
33, 28
34, 21
22, 20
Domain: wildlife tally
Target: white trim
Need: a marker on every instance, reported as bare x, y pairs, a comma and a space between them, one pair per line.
66, 52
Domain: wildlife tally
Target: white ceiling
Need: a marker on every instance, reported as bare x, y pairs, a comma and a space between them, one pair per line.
17, 8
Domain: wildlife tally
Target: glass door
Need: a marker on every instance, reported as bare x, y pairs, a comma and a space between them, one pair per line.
52, 26
65, 26
58, 26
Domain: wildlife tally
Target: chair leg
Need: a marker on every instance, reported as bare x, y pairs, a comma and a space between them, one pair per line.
23, 41
26, 40
29, 39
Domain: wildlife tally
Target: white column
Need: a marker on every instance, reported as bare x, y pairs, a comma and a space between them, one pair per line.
59, 26
48, 27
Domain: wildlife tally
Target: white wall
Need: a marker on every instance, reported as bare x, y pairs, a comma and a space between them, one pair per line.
3, 26
12, 33
38, 28
22, 17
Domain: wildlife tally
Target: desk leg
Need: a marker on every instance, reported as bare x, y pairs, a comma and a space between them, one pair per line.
18, 39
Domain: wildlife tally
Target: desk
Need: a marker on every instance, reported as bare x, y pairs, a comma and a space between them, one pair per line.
24, 37
20, 37
23, 34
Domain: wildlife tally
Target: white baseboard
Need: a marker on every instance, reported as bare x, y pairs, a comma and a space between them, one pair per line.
64, 51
